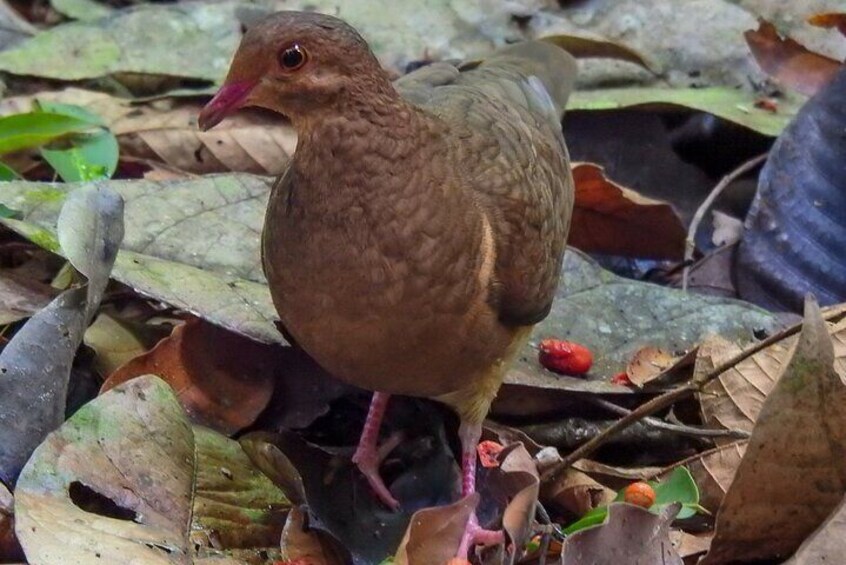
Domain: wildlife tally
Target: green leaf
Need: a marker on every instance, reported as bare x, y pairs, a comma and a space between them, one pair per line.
8, 173
71, 110
678, 487
732, 104
91, 157
6, 212
34, 129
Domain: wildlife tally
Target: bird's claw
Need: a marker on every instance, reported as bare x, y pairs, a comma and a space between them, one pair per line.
475, 535
368, 459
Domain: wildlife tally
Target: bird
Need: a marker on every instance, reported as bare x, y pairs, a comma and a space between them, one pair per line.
418, 232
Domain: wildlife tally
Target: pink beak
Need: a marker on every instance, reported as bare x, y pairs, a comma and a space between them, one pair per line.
229, 98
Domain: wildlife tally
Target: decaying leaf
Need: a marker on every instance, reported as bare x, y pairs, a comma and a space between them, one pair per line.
208, 367
792, 475
631, 535
36, 363
614, 220
10, 549
115, 343
714, 470
123, 480
585, 47
613, 317
577, 493
434, 533
649, 363
827, 544
789, 62
302, 545
21, 297
835, 20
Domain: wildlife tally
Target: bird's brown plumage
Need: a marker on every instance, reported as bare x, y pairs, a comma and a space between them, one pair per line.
418, 232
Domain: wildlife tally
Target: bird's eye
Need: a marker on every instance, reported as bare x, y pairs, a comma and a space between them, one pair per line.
292, 57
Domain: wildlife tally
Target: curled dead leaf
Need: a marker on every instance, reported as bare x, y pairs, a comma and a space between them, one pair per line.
835, 20
788, 61
611, 219
223, 380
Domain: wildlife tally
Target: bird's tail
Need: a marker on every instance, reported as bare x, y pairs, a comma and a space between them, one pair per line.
544, 72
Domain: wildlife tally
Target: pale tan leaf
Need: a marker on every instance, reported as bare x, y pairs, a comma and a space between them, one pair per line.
792, 475
826, 545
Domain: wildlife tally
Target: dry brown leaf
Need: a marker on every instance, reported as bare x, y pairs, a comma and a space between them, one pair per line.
830, 20
302, 545
734, 399
611, 219
713, 472
789, 62
587, 48
223, 380
21, 297
792, 475
114, 343
576, 492
650, 363
433, 534
827, 545
517, 480
616, 477
690, 545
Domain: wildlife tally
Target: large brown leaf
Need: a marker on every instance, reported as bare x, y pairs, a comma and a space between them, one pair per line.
789, 62
615, 220
792, 475
210, 368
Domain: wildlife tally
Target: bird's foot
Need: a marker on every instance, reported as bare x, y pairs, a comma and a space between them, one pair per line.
475, 535
368, 458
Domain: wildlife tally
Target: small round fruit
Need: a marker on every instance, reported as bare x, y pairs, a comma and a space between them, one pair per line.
639, 494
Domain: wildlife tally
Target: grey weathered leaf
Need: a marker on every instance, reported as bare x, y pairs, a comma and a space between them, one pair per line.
191, 39
614, 317
35, 365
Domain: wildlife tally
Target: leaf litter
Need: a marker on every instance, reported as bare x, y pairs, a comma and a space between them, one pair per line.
191, 247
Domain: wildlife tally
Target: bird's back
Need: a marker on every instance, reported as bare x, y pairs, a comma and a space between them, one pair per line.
505, 116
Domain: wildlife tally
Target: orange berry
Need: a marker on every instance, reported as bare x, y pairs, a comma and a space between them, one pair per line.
640, 494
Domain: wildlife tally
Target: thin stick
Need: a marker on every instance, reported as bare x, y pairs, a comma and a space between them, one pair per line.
690, 242
692, 431
669, 398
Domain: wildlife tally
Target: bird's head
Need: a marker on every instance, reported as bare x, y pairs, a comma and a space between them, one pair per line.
297, 64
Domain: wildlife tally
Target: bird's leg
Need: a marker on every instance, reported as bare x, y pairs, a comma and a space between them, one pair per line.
470, 433
368, 456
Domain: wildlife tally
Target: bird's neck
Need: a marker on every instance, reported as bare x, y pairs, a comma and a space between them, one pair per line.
371, 147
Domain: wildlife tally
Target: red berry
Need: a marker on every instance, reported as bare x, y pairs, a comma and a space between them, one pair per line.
621, 379
639, 494
488, 452
565, 357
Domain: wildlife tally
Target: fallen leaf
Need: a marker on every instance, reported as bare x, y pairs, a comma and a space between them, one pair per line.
190, 40
827, 544
576, 493
690, 545
835, 20
114, 343
727, 229
734, 399
235, 505
648, 363
731, 104
434, 533
35, 366
21, 297
582, 47
82, 9
515, 484
208, 367
120, 482
614, 220
302, 545
794, 233
614, 317
789, 62
792, 475
631, 535
714, 471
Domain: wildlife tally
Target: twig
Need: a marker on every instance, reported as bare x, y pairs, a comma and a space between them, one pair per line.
669, 398
692, 431
690, 242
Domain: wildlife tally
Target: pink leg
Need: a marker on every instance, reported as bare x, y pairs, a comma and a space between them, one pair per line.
473, 533
368, 456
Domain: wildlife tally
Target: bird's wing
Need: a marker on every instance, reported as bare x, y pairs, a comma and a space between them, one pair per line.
506, 113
